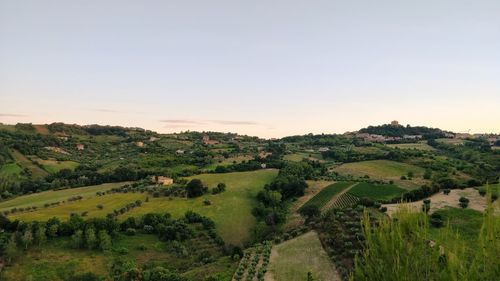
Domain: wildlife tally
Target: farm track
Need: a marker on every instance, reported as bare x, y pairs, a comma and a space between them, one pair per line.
330, 204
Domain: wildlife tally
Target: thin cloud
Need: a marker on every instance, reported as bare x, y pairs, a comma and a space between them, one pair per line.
11, 115
182, 122
105, 110
228, 122
187, 122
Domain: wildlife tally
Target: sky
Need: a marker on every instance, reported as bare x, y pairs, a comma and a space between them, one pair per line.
269, 68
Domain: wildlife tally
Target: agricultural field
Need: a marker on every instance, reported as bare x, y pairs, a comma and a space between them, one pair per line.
299, 156
418, 146
293, 259
231, 210
452, 141
53, 261
24, 162
345, 200
377, 192
51, 196
314, 187
385, 170
326, 194
254, 263
53, 165
10, 170
228, 161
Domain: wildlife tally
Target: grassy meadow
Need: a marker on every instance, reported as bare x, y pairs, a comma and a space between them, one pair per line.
293, 259
385, 170
231, 210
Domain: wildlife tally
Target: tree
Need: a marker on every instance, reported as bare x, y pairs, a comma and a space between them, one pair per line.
40, 235
310, 211
310, 276
104, 240
195, 188
90, 238
52, 230
77, 239
27, 238
11, 249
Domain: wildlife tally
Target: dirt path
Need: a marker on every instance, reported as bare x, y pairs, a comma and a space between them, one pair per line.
440, 200
294, 219
332, 201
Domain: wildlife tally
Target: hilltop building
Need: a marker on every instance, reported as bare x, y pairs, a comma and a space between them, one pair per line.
208, 141
162, 180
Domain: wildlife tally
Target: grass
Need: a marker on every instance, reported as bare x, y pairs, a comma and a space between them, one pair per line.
228, 161
24, 162
231, 210
466, 222
293, 259
378, 192
54, 166
39, 199
419, 146
10, 170
299, 156
63, 211
385, 170
326, 194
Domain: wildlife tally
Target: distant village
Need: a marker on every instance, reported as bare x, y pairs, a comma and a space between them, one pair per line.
491, 138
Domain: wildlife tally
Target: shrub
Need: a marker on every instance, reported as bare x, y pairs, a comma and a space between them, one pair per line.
446, 191
100, 206
130, 231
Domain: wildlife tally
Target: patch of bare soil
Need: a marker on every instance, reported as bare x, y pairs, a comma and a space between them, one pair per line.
314, 187
440, 201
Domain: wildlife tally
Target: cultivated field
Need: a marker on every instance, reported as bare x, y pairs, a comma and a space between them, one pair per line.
419, 146
293, 259
324, 196
231, 210
54, 166
378, 192
299, 156
39, 199
385, 170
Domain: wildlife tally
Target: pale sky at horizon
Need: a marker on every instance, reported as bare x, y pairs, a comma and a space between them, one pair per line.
266, 68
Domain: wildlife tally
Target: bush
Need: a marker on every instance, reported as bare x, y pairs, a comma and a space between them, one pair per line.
446, 191
130, 231
100, 206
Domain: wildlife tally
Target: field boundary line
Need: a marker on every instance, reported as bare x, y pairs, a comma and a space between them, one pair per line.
334, 199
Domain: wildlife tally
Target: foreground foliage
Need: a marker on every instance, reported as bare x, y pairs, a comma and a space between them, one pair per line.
405, 249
